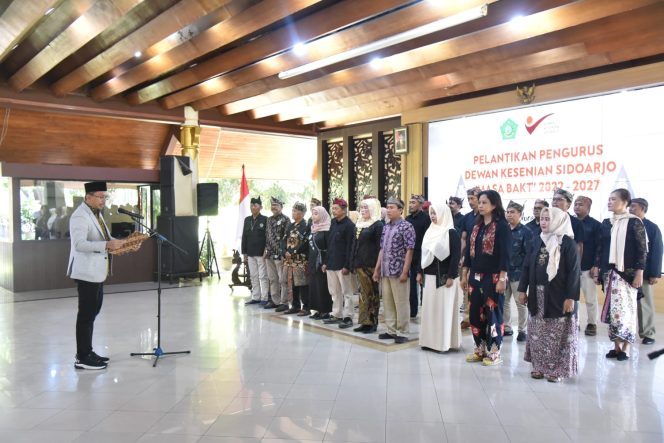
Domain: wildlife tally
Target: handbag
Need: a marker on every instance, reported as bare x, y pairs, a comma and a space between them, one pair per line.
441, 279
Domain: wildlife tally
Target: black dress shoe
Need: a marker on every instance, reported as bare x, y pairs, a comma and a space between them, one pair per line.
612, 354
591, 330
251, 302
399, 340
281, 308
269, 305
361, 328
622, 356
508, 333
371, 329
346, 323
332, 320
521, 336
325, 316
385, 336
648, 341
291, 311
316, 316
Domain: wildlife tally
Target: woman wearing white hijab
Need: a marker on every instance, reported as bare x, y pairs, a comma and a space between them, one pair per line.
552, 277
364, 254
623, 257
440, 327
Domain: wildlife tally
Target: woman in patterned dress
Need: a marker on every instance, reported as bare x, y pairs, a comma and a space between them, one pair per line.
622, 258
551, 275
485, 267
365, 249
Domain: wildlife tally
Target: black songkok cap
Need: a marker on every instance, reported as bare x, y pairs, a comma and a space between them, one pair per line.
95, 187
276, 201
256, 201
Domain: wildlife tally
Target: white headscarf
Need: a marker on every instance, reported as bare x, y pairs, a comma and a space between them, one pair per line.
618, 234
436, 241
559, 226
374, 213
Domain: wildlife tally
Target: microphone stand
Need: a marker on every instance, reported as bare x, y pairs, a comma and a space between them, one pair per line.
158, 352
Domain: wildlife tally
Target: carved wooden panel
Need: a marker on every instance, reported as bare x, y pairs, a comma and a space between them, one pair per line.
391, 168
362, 170
334, 162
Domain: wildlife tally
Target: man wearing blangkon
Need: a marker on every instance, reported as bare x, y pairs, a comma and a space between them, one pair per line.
89, 265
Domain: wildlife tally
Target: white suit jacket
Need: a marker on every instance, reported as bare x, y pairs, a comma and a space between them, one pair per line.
88, 259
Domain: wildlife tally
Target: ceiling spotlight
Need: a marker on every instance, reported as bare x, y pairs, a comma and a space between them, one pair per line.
49, 10
375, 62
137, 54
516, 19
299, 49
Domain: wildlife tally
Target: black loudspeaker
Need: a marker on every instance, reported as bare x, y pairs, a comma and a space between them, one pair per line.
208, 198
183, 231
176, 186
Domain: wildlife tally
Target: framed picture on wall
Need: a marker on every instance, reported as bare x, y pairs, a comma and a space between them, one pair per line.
401, 140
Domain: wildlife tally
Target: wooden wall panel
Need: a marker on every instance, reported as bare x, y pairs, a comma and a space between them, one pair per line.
42, 265
79, 140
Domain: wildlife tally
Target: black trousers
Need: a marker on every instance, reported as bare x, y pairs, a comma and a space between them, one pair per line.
414, 297
90, 298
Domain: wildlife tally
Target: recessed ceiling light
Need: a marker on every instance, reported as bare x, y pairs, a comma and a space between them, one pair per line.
516, 18
375, 62
299, 49
49, 10
137, 54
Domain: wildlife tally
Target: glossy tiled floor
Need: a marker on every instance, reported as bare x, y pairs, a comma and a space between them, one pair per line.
249, 379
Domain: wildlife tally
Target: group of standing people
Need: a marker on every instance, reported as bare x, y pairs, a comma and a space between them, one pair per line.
484, 258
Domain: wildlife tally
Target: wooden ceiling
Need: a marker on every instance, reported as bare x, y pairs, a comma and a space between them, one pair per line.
225, 55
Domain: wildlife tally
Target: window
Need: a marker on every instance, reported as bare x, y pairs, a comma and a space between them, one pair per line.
47, 205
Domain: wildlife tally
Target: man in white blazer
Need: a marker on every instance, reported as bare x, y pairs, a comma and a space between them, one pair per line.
89, 265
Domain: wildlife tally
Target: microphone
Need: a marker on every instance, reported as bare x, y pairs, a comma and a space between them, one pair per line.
129, 213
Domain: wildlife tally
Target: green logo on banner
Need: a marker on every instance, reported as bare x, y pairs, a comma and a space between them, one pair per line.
508, 129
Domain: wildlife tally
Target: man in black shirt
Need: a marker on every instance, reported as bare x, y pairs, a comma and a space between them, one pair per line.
455, 204
534, 225
467, 225
253, 248
420, 221
336, 264
592, 231
651, 274
562, 199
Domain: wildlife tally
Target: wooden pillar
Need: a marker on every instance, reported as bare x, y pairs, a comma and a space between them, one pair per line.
412, 163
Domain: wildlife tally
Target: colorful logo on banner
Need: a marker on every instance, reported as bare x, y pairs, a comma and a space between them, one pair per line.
530, 126
508, 129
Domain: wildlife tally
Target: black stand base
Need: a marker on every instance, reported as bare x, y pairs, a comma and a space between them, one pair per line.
157, 352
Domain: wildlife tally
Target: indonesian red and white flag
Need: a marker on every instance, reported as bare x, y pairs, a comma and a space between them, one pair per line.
244, 212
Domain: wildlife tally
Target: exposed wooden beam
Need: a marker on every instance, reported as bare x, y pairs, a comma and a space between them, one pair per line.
18, 20
599, 37
237, 27
442, 84
81, 31
310, 27
531, 26
43, 100
647, 75
345, 12
163, 27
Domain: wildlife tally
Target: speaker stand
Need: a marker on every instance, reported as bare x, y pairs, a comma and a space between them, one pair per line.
207, 255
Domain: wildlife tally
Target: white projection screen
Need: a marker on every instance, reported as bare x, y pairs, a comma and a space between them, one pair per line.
588, 146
